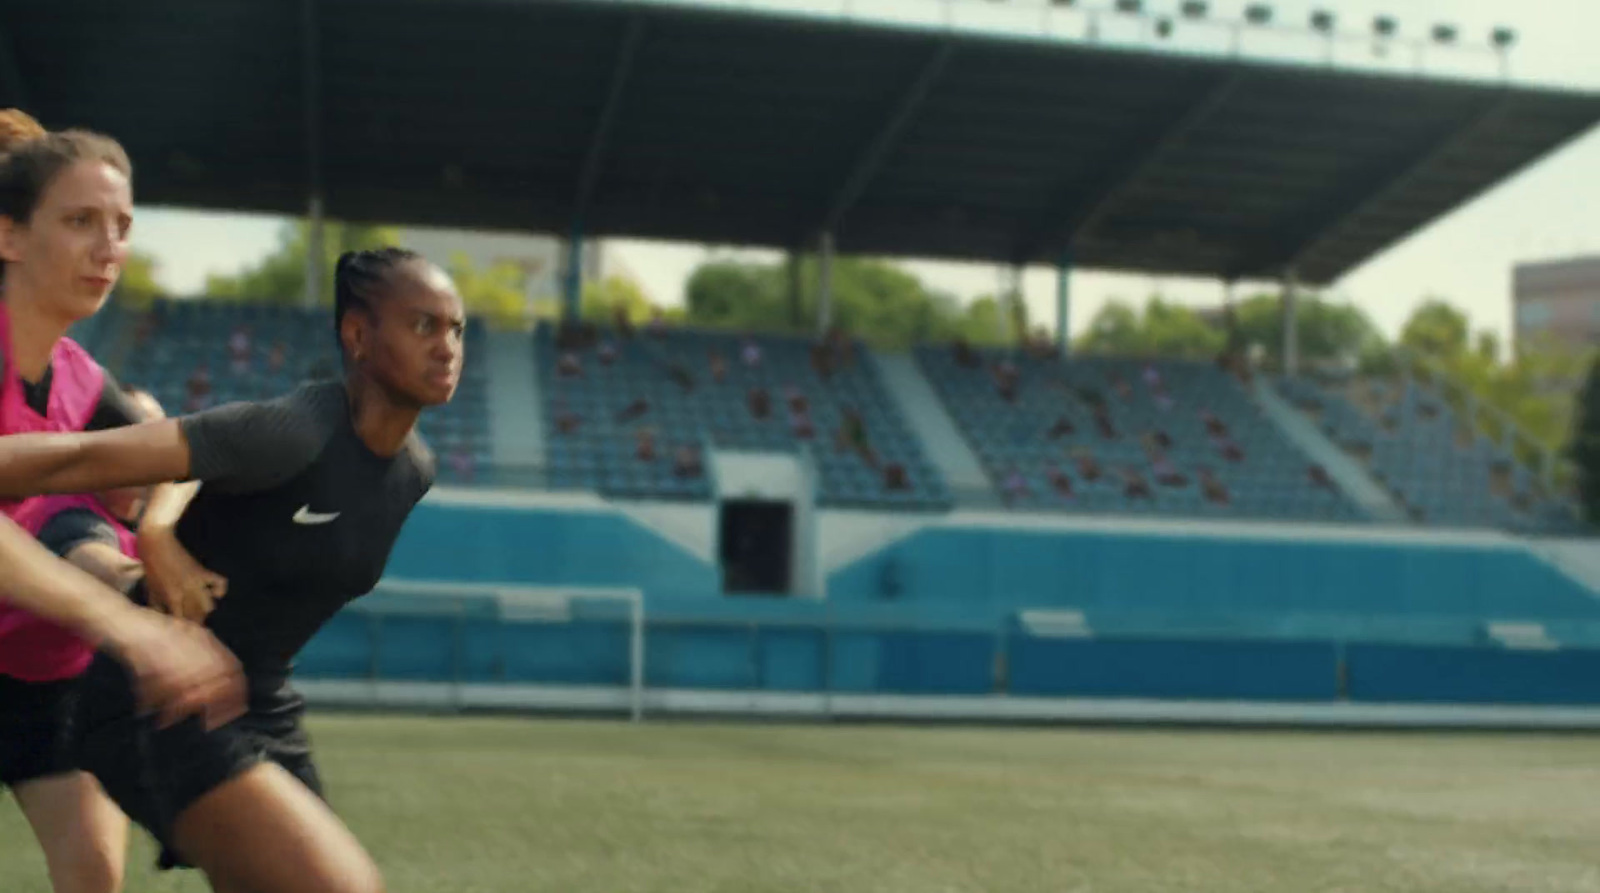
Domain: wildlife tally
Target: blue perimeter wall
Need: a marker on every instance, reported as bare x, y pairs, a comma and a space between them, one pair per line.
935, 614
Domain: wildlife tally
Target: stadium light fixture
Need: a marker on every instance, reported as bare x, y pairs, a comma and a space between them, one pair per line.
1258, 14
1322, 22
1163, 27
1384, 29
1194, 9
1131, 7
1444, 34
1501, 39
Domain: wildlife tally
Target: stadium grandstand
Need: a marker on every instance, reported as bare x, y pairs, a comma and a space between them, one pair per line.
637, 518
952, 521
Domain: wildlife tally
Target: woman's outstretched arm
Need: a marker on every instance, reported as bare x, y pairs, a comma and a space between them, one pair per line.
179, 669
240, 447
88, 462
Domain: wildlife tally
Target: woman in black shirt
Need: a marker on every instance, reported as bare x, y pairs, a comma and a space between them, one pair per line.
300, 503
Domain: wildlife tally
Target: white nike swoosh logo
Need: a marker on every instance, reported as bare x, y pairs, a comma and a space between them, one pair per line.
307, 516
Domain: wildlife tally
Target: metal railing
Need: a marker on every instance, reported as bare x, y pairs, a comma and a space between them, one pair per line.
1554, 470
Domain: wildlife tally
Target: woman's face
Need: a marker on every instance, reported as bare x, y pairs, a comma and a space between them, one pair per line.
71, 251
416, 347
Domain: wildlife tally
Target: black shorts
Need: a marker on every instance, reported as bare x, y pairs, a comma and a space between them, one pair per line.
154, 774
35, 729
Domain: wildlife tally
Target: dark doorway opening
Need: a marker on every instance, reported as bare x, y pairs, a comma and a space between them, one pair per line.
757, 546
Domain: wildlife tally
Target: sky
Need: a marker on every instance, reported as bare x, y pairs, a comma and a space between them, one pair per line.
1548, 211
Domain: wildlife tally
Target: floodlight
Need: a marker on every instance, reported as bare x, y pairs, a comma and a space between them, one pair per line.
1131, 7
1258, 14
1444, 34
1194, 9
1385, 26
1323, 21
1503, 38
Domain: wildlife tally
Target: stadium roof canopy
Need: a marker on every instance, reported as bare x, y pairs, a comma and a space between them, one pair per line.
747, 128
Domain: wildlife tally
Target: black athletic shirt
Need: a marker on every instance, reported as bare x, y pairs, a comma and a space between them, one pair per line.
296, 512
75, 527
114, 410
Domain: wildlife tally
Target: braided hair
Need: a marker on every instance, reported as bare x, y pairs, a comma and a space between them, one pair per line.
358, 278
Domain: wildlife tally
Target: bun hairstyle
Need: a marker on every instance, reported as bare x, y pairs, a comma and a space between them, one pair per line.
17, 127
32, 157
358, 280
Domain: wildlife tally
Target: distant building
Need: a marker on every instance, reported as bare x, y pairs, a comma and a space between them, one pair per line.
1557, 300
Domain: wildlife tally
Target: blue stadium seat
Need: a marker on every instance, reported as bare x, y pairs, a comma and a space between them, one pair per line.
1415, 444
180, 336
1270, 481
718, 414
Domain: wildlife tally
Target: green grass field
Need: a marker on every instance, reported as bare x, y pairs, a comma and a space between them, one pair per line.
518, 805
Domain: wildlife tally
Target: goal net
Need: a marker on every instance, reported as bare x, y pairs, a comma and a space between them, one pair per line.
514, 605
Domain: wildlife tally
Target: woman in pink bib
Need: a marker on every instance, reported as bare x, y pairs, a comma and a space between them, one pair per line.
65, 208
95, 532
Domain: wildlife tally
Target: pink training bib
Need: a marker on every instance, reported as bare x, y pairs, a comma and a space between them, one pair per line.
31, 648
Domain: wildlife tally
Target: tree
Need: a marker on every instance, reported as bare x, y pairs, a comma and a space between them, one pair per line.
982, 324
1436, 329
1116, 329
1175, 331
1162, 330
882, 302
1017, 310
1378, 360
1532, 389
1585, 448
872, 299
731, 294
601, 299
280, 277
137, 288
1487, 345
495, 293
1327, 333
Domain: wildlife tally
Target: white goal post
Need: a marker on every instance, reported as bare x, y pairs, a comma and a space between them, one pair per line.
519, 603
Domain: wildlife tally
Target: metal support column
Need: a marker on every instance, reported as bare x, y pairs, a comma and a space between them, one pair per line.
1230, 317
1064, 304
1013, 315
1291, 332
825, 282
796, 287
316, 255
572, 287
311, 109
311, 101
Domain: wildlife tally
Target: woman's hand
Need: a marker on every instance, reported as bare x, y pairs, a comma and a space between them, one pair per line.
178, 669
175, 581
